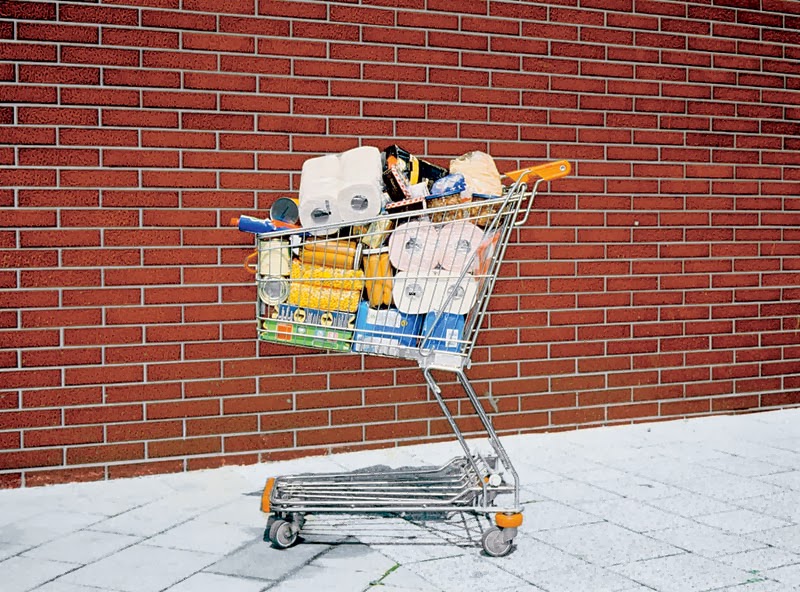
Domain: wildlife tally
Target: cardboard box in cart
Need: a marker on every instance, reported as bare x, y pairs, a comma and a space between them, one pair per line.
309, 327
385, 331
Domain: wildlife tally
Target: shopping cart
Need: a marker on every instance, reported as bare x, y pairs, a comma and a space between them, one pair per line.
413, 284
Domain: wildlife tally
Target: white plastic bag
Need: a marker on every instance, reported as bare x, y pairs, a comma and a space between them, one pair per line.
479, 172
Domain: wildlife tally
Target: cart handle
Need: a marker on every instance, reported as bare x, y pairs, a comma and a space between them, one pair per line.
545, 172
250, 262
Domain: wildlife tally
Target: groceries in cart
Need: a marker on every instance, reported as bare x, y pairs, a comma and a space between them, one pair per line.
381, 252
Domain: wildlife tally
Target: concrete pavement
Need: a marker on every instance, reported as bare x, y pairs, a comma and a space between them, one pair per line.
682, 506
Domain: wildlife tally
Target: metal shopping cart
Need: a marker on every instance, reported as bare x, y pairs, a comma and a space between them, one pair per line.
413, 284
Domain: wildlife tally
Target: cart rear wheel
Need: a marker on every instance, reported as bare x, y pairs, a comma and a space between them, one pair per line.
281, 534
494, 543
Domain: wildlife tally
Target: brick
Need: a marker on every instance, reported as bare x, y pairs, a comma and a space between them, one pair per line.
233, 6
220, 43
103, 375
258, 442
100, 57
172, 410
62, 436
58, 157
104, 453
58, 75
141, 78
100, 97
149, 430
58, 476
30, 458
183, 447
93, 137
179, 19
142, 469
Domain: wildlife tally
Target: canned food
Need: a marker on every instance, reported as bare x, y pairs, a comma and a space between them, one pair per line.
273, 290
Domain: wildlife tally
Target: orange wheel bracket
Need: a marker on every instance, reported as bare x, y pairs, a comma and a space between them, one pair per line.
508, 520
267, 492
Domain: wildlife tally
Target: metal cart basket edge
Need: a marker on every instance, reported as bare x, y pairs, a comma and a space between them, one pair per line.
427, 293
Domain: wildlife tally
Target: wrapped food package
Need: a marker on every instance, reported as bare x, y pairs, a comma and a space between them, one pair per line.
480, 173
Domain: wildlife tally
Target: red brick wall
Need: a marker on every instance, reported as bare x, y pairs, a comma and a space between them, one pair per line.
661, 280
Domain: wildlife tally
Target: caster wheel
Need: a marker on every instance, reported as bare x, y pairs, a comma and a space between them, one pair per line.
281, 534
270, 521
494, 544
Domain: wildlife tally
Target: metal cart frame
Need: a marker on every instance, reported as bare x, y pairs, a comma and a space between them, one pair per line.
465, 484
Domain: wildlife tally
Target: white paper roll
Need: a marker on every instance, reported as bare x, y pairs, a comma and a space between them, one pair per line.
413, 294
319, 208
464, 292
457, 243
321, 167
359, 201
413, 247
360, 165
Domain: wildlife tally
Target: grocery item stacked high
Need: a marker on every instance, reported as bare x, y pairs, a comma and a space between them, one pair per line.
381, 252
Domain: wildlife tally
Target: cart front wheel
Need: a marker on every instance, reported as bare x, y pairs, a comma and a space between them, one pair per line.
282, 535
494, 542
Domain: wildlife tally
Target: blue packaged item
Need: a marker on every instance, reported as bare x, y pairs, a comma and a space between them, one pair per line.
385, 331
254, 225
448, 331
449, 184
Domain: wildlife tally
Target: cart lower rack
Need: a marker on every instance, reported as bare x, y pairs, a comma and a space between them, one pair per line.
413, 284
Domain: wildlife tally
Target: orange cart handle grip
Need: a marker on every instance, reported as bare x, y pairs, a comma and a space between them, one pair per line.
250, 262
547, 171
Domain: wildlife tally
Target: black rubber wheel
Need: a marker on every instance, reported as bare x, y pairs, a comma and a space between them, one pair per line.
494, 544
281, 534
270, 521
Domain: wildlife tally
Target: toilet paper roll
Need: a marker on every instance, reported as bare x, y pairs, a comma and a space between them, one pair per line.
321, 167
464, 291
362, 164
413, 294
318, 194
458, 241
413, 247
359, 201
318, 207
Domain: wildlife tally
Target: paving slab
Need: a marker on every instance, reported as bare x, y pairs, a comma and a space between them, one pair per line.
787, 538
575, 578
706, 540
209, 582
604, 544
788, 575
683, 573
83, 546
467, 572
19, 574
634, 515
140, 568
345, 568
200, 534
260, 561
742, 521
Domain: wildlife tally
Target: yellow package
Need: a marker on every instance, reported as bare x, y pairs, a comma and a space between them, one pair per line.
311, 296
327, 277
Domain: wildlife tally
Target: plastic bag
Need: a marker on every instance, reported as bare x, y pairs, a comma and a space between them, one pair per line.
480, 173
